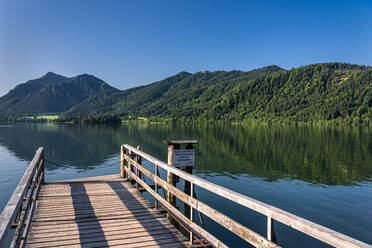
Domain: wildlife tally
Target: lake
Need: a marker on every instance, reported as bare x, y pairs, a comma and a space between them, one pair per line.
323, 174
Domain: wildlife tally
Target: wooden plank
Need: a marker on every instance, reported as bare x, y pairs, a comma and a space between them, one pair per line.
39, 226
70, 207
113, 177
179, 142
95, 202
109, 233
231, 225
100, 214
72, 216
131, 243
93, 186
78, 229
93, 194
9, 213
110, 240
78, 212
104, 193
310, 228
97, 212
82, 222
94, 197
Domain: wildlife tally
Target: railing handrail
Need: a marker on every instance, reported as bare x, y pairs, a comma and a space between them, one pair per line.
228, 223
11, 210
310, 228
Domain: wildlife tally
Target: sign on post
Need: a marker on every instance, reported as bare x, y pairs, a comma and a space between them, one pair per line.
183, 157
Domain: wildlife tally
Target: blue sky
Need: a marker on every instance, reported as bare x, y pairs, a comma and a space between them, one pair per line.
130, 43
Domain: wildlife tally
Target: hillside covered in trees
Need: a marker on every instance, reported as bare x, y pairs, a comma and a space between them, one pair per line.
325, 91
52, 93
315, 92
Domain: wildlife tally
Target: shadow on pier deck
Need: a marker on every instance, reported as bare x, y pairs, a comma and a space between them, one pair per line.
99, 212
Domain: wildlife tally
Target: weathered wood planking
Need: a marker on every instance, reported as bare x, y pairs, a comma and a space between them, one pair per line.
99, 212
180, 142
319, 232
14, 204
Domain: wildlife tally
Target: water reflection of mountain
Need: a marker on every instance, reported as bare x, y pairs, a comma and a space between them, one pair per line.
82, 147
329, 156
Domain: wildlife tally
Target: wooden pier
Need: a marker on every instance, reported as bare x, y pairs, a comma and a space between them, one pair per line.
110, 210
99, 212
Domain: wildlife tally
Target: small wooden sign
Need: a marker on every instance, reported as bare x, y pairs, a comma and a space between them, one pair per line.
183, 157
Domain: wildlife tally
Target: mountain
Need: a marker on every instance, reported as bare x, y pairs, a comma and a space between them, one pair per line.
322, 91
315, 92
22, 90
170, 97
52, 93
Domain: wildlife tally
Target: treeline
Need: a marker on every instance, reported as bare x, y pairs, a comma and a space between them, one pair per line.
106, 119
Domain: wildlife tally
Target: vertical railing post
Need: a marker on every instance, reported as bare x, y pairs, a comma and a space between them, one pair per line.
129, 154
122, 169
139, 161
270, 230
191, 212
156, 186
187, 185
170, 178
122, 162
42, 165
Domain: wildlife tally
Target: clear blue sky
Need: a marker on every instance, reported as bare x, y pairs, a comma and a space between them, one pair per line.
129, 43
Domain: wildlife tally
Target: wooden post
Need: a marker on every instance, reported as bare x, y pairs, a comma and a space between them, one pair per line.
122, 162
139, 161
156, 186
270, 230
129, 166
187, 185
170, 178
43, 167
175, 145
191, 211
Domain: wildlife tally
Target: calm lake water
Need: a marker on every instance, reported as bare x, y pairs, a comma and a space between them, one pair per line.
322, 174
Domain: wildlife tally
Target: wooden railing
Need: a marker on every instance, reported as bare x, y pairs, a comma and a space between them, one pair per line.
19, 210
131, 167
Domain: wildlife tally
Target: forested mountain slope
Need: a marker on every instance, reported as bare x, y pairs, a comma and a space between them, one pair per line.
51, 93
16, 95
314, 92
176, 96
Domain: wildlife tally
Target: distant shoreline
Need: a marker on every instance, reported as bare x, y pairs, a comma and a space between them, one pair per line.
164, 121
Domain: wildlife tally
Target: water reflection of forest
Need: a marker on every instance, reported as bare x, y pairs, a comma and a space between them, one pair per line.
329, 156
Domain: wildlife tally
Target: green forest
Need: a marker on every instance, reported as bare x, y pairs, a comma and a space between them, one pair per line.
319, 92
332, 92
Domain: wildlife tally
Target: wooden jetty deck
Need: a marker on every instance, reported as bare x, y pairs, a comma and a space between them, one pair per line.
99, 212
109, 211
